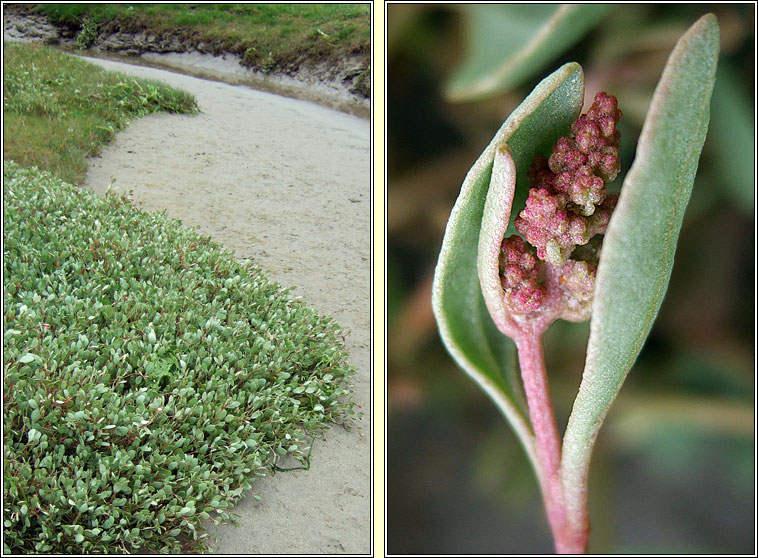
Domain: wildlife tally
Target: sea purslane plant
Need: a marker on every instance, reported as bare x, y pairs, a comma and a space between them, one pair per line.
578, 252
149, 377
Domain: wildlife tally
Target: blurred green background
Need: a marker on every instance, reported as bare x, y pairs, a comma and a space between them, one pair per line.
673, 470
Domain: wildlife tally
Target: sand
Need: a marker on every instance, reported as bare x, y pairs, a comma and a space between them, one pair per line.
285, 183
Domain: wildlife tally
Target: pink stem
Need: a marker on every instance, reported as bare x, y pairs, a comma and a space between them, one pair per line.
568, 540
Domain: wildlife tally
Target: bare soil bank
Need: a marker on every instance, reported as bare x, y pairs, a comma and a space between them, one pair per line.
342, 83
287, 184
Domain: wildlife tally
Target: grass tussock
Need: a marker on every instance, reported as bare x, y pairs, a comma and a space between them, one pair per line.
59, 110
149, 377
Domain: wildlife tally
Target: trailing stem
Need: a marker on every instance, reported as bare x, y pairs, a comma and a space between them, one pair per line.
570, 536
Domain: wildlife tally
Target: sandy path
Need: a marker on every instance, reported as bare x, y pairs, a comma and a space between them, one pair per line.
287, 184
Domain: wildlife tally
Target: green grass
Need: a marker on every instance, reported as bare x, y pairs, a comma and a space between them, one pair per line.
282, 32
59, 110
148, 376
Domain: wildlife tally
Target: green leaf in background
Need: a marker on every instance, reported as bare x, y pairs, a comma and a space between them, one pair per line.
509, 44
465, 325
639, 246
732, 138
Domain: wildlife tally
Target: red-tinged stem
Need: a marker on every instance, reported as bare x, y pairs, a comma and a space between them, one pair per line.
568, 540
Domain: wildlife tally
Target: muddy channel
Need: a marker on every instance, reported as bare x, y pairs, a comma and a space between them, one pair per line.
285, 183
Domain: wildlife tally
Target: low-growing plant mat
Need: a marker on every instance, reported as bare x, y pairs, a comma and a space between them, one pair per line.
148, 376
58, 110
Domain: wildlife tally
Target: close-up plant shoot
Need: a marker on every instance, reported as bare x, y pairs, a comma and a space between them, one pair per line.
537, 235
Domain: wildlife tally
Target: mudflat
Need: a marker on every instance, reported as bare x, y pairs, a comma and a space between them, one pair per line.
287, 184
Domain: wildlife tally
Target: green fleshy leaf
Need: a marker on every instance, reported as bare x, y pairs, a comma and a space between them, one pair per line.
639, 246
512, 43
497, 212
466, 327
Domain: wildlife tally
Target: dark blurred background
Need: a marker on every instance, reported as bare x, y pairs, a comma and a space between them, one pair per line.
673, 470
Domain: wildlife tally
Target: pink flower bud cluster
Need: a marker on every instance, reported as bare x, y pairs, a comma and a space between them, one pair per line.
549, 223
520, 276
578, 281
567, 205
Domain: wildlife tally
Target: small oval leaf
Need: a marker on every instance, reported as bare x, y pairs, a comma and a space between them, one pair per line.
465, 325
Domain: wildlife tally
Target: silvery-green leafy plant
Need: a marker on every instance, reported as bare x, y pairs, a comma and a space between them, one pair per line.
573, 252
149, 377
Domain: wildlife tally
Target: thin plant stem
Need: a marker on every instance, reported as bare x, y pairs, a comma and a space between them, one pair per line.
568, 540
